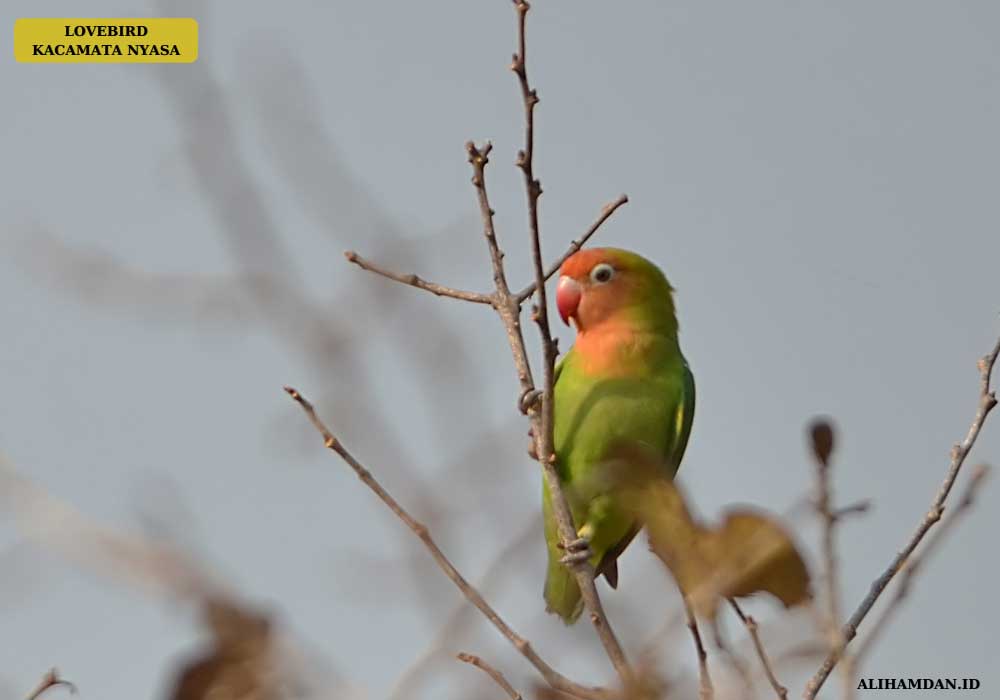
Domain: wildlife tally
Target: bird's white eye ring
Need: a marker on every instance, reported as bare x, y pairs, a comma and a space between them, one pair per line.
602, 273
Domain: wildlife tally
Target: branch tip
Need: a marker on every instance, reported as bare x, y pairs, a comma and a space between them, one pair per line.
413, 280
497, 677
51, 680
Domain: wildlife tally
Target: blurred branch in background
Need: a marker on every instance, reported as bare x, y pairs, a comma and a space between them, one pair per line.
248, 655
265, 291
156, 569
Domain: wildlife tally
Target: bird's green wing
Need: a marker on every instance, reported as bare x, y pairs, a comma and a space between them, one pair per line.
675, 452
684, 420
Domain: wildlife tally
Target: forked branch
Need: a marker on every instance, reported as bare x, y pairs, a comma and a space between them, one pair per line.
765, 661
50, 680
497, 677
575, 245
551, 676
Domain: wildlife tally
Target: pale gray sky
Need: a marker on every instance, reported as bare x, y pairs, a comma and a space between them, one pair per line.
818, 180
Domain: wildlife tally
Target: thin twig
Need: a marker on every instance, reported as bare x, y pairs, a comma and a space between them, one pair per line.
911, 568
575, 245
405, 684
857, 508
418, 282
552, 677
987, 400
506, 306
51, 680
751, 625
491, 672
822, 437
734, 660
705, 689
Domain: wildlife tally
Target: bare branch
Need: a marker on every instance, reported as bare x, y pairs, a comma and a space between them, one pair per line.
492, 672
50, 680
733, 659
911, 568
506, 306
705, 689
574, 246
751, 625
552, 677
987, 400
405, 683
542, 423
479, 158
822, 437
415, 281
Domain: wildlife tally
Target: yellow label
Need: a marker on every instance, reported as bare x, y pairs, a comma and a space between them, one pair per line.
114, 40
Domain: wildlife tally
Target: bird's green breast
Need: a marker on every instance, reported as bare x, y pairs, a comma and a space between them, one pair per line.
597, 415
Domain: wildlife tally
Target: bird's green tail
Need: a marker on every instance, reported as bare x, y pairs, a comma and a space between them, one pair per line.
562, 594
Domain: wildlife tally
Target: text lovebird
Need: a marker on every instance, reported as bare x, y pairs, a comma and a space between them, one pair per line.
624, 389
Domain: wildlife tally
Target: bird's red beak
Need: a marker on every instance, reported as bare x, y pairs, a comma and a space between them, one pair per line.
568, 295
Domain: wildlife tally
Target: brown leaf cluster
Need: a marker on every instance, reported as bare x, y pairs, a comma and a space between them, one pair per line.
749, 552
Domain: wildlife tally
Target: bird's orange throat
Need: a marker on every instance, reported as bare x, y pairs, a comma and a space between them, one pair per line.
616, 349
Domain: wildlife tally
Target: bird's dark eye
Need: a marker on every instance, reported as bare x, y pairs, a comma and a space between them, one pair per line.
602, 273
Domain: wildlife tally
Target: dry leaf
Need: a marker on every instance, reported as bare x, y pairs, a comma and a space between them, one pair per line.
239, 665
749, 552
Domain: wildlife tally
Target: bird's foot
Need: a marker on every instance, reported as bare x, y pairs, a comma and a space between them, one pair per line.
577, 552
529, 400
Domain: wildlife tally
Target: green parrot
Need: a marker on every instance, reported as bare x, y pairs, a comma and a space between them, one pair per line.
623, 386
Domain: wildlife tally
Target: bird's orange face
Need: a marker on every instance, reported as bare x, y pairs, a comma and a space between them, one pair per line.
594, 285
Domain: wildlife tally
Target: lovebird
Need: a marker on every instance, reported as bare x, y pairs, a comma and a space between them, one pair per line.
623, 387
